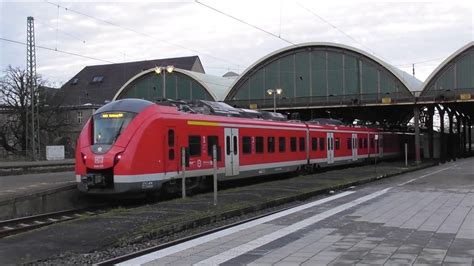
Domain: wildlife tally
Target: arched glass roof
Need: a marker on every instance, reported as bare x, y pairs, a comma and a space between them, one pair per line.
453, 77
313, 73
180, 84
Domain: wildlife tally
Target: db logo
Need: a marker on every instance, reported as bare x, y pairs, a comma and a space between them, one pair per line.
98, 159
199, 163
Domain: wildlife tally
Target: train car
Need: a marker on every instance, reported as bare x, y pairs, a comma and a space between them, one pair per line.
135, 146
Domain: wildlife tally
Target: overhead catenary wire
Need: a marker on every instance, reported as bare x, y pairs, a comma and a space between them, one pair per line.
334, 26
59, 51
140, 33
245, 22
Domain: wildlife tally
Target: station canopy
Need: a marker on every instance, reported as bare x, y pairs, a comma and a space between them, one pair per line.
317, 75
180, 84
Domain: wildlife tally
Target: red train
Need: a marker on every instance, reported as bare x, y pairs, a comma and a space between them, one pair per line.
135, 145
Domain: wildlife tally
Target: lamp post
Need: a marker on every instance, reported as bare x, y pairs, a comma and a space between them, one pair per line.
274, 92
163, 70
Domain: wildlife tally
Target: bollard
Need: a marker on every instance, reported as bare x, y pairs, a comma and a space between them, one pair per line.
406, 154
214, 164
183, 167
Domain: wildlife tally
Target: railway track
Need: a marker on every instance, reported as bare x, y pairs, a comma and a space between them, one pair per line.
24, 224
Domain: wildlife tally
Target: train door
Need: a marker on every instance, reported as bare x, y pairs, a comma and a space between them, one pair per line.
330, 147
231, 151
354, 146
171, 156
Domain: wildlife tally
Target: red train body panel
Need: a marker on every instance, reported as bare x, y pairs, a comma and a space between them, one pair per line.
135, 146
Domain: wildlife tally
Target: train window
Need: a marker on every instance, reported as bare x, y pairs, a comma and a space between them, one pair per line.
194, 145
227, 145
171, 154
170, 138
349, 143
321, 144
246, 145
211, 141
293, 144
259, 144
302, 144
314, 144
271, 144
372, 143
282, 144
337, 143
360, 143
365, 143
236, 146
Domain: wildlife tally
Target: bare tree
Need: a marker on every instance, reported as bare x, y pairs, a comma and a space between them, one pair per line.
14, 105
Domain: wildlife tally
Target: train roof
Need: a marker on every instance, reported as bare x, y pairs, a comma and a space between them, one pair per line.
223, 113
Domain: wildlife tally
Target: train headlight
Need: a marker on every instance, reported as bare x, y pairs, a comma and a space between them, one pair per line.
84, 158
117, 158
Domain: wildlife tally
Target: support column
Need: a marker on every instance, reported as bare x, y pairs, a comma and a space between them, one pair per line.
450, 150
469, 124
429, 125
464, 136
416, 112
442, 141
458, 140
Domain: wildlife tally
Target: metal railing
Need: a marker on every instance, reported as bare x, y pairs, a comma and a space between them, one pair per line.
358, 99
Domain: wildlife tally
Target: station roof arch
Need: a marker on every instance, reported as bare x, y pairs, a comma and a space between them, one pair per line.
455, 75
180, 84
311, 74
452, 82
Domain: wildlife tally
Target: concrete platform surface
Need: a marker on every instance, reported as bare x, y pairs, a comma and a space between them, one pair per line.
123, 226
16, 186
425, 217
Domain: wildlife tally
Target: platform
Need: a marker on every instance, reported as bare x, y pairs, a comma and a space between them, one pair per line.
425, 217
30, 194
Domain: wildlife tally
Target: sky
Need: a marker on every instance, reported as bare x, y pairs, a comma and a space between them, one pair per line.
228, 35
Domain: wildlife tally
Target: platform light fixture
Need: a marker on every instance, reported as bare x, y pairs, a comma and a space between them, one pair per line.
163, 70
274, 92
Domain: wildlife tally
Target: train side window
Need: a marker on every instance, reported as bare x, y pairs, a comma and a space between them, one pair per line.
211, 141
171, 154
302, 144
321, 144
227, 145
282, 144
337, 143
170, 138
349, 143
259, 144
194, 145
236, 146
246, 145
271, 144
365, 143
361, 145
293, 144
314, 144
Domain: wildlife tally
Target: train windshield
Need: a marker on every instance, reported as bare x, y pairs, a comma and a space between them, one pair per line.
109, 126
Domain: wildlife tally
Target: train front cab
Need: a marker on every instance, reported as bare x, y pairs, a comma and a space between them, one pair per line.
104, 153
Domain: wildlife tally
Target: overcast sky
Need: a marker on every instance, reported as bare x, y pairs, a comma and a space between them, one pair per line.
400, 33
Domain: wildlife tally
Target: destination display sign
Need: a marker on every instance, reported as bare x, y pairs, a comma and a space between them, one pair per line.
112, 115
